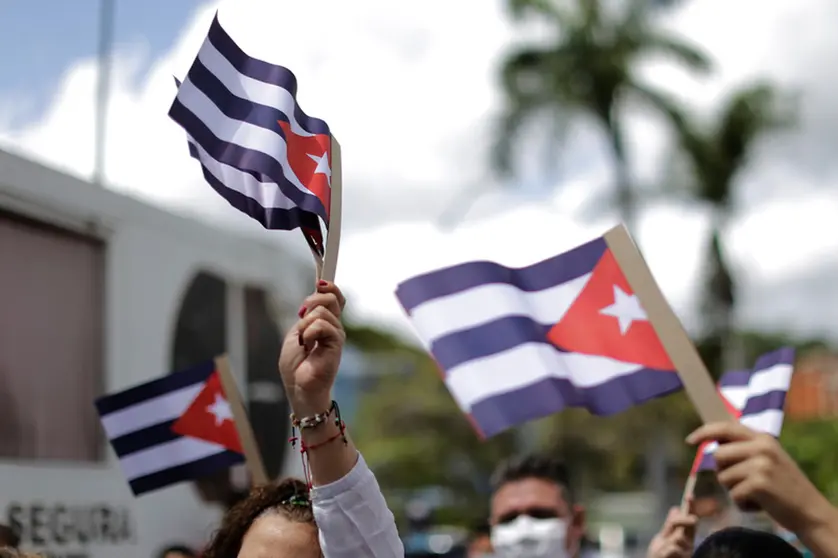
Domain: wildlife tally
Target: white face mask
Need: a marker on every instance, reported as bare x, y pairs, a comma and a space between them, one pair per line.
527, 537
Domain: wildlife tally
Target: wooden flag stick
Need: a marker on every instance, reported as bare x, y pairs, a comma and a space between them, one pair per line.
696, 379
328, 268
689, 488
252, 456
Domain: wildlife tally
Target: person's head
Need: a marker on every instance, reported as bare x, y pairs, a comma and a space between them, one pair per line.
274, 521
739, 542
8, 537
533, 512
479, 544
712, 507
177, 551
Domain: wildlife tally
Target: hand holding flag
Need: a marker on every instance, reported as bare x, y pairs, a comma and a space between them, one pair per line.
309, 364
755, 469
311, 351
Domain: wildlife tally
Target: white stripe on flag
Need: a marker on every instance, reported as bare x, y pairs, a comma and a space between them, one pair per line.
770, 422
268, 194
736, 396
248, 88
148, 413
480, 305
237, 132
165, 456
476, 380
776, 378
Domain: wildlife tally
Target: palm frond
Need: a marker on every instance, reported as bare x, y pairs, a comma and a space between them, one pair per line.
687, 157
529, 82
750, 112
686, 132
677, 50
551, 10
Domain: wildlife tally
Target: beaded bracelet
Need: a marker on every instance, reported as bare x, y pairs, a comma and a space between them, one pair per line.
312, 421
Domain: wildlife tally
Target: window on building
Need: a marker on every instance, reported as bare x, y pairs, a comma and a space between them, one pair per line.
51, 341
267, 405
201, 334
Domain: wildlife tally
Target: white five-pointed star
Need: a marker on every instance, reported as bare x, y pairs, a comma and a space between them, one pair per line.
322, 166
626, 309
221, 410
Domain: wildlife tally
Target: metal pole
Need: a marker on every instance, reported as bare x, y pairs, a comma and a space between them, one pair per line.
103, 90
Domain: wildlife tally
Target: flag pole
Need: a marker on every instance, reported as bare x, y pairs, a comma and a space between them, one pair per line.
328, 269
689, 489
252, 455
103, 88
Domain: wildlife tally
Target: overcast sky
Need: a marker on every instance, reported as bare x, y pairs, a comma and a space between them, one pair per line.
409, 89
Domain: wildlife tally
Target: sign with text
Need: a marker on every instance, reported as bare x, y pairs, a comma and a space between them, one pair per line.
68, 530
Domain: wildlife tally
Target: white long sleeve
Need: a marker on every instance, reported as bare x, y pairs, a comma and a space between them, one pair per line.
353, 518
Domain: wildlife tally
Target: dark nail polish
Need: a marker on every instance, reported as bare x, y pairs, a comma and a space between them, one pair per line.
302, 311
323, 283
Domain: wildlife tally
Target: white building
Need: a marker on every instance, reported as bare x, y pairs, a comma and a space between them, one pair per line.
99, 291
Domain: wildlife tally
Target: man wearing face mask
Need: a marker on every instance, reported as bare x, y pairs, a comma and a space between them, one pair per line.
533, 513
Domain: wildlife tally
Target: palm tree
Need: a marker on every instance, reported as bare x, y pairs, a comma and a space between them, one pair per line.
716, 154
587, 69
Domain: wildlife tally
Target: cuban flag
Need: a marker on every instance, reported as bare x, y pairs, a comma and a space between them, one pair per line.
754, 397
256, 146
172, 429
519, 344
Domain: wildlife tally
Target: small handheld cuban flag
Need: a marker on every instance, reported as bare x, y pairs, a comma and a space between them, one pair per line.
176, 428
256, 146
755, 397
519, 344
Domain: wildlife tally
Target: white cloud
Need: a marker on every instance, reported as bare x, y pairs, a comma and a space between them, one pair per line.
409, 90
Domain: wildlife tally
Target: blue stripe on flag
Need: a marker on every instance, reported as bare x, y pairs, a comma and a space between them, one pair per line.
487, 339
264, 72
773, 400
189, 471
116, 402
735, 378
538, 400
144, 438
537, 277
232, 106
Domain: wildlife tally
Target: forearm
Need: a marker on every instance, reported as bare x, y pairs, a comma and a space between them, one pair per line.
329, 457
819, 530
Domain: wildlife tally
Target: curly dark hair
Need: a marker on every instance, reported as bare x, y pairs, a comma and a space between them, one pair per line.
288, 498
8, 537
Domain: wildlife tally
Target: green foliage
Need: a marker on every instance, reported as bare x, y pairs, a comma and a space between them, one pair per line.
814, 445
371, 340
414, 436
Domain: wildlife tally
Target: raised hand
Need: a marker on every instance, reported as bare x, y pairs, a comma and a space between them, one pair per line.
676, 537
312, 349
755, 469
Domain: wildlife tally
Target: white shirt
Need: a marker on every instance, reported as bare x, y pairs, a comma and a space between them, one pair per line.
353, 518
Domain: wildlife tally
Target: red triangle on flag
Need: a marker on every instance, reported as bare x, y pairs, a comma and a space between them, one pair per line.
210, 418
310, 158
607, 320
